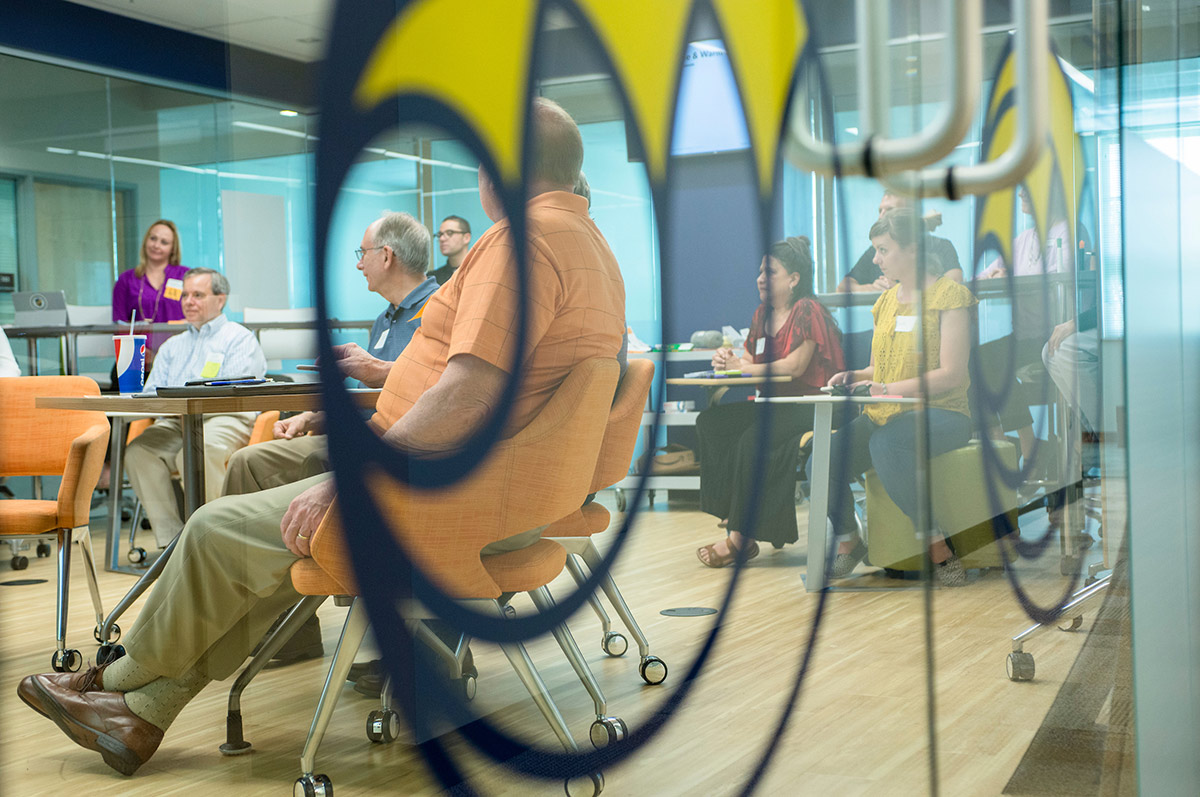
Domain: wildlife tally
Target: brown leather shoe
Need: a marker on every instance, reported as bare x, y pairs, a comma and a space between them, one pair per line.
95, 720
86, 681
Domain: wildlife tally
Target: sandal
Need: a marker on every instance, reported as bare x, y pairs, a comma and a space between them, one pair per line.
725, 560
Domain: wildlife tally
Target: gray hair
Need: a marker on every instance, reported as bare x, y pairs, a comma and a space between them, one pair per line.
583, 188
407, 238
220, 284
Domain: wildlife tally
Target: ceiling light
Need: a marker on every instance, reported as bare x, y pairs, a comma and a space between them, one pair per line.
288, 113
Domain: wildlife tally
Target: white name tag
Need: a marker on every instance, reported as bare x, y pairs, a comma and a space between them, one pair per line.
906, 323
174, 289
760, 345
382, 338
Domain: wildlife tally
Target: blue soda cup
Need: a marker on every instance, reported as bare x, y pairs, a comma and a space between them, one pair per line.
131, 362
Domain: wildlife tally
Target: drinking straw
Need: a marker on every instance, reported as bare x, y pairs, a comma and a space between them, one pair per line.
131, 320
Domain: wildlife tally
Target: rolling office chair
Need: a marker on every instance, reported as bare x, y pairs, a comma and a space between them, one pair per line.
527, 481
575, 531
40, 442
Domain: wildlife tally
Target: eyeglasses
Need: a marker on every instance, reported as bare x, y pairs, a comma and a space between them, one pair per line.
358, 253
448, 233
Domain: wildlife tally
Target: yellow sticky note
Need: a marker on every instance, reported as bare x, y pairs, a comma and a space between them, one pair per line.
211, 369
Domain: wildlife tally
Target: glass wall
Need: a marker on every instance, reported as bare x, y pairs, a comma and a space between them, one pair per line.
973, 577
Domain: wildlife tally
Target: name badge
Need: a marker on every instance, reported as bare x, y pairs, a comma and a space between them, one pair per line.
212, 365
174, 289
906, 323
382, 338
760, 345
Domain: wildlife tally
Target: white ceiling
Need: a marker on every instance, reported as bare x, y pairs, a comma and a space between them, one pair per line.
291, 28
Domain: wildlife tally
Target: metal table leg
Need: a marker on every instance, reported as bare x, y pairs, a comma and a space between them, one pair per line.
193, 464
116, 477
818, 502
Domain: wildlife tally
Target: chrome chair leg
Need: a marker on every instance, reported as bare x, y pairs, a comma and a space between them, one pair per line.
235, 743
544, 601
518, 657
577, 573
343, 657
89, 563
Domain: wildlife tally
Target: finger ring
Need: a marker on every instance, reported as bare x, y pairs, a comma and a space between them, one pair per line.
301, 537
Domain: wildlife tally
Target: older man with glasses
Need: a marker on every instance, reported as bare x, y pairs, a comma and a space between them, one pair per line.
454, 239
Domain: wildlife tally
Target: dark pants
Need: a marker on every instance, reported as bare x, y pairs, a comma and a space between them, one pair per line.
995, 369
730, 466
891, 450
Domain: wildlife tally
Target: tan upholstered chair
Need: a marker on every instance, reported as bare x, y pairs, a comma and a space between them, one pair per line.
66, 443
527, 481
575, 531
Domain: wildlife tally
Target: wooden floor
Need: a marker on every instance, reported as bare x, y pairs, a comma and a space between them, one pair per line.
860, 726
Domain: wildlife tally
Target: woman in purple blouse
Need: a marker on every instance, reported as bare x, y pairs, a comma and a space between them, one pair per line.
154, 288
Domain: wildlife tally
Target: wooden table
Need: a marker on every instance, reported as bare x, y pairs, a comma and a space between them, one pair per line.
192, 411
718, 385
818, 485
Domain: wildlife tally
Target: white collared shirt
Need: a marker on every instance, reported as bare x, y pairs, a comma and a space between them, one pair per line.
230, 345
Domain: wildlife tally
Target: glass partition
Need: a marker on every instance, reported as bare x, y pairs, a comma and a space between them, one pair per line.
974, 575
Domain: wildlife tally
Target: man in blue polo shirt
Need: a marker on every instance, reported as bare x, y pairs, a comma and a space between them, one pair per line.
393, 258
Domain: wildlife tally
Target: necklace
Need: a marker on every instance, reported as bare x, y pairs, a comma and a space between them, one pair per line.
157, 297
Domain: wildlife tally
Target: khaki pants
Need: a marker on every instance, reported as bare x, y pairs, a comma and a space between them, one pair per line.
222, 588
151, 457
275, 463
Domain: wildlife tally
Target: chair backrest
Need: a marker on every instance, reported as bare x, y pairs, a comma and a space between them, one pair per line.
264, 427
529, 480
92, 347
36, 442
857, 348
284, 344
624, 423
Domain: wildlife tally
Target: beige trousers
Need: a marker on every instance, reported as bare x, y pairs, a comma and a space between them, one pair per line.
222, 588
275, 463
156, 452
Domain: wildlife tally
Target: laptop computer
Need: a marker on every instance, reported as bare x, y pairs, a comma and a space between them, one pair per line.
40, 308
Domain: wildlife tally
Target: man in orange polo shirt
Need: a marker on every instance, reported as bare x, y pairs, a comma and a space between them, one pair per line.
228, 579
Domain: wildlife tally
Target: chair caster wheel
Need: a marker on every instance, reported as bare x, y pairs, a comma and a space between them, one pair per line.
136, 556
1020, 666
312, 786
1068, 565
20, 562
108, 653
383, 726
43, 550
653, 670
622, 503
1075, 624
66, 661
583, 786
114, 633
614, 644
607, 730
145, 524
510, 612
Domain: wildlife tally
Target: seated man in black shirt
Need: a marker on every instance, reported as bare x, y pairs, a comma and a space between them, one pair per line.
866, 276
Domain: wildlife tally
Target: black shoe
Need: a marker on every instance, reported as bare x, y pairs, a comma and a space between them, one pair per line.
304, 645
370, 683
360, 668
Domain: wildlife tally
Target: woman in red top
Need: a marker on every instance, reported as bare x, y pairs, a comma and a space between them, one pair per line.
797, 337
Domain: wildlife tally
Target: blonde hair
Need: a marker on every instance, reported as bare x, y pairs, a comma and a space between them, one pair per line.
175, 255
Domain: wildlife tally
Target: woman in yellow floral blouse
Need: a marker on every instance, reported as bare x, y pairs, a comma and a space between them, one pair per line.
884, 436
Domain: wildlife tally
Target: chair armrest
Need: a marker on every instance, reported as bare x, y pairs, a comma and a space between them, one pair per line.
84, 463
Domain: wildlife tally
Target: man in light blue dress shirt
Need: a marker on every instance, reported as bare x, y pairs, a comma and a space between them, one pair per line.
211, 347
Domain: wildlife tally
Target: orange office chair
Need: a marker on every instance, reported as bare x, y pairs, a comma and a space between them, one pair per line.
40, 442
575, 531
527, 481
